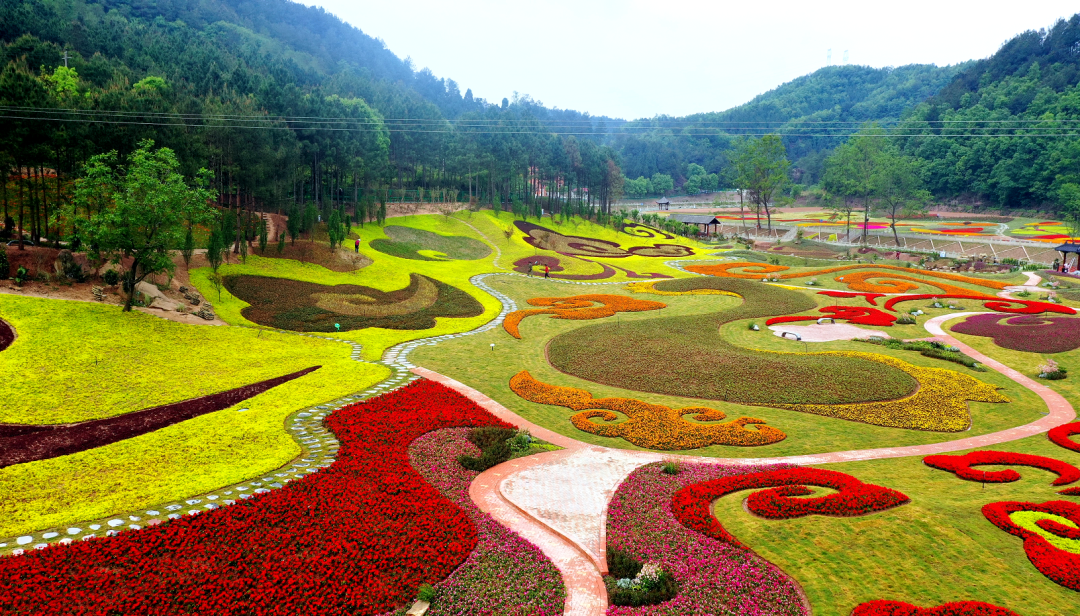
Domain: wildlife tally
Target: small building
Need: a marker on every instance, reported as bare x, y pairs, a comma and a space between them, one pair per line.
702, 221
663, 204
1069, 248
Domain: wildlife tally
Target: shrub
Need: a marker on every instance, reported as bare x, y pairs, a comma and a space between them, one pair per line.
425, 593
21, 276
494, 448
650, 586
111, 277
5, 266
671, 468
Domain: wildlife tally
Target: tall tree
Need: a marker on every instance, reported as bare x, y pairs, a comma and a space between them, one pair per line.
852, 169
899, 188
147, 207
761, 169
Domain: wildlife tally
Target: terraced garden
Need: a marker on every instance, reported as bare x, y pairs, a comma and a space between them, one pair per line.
649, 430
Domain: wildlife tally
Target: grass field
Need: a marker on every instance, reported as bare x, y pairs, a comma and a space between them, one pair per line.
75, 361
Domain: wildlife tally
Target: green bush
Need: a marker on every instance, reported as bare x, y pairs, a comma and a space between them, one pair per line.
494, 448
626, 587
111, 277
425, 593
21, 276
620, 564
5, 265
670, 468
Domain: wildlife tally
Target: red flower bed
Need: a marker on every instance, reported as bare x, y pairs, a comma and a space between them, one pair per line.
1061, 436
692, 505
960, 608
1015, 306
1060, 566
356, 538
871, 298
859, 315
962, 466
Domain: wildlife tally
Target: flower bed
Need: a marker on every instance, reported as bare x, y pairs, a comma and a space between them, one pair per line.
858, 315
639, 354
406, 242
1061, 436
651, 426
940, 404
1033, 334
573, 245
692, 505
756, 271
650, 287
713, 577
1014, 306
309, 307
579, 307
505, 574
959, 608
20, 444
962, 465
7, 334
1061, 566
357, 537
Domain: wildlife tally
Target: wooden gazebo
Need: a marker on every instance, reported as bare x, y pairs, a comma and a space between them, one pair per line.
663, 204
1069, 247
703, 222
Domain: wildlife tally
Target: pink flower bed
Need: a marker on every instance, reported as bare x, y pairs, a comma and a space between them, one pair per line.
505, 574
714, 577
1030, 333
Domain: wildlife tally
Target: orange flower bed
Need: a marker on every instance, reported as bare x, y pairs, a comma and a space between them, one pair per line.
579, 307
651, 426
762, 270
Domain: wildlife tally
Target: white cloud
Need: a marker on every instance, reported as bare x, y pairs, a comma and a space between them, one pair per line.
637, 59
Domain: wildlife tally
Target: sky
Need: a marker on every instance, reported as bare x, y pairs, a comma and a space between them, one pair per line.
633, 59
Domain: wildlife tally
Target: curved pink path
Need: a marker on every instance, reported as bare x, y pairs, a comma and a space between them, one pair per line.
558, 500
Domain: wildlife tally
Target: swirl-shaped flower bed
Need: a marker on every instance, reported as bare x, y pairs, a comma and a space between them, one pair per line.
651, 426
713, 577
358, 537
505, 572
579, 307
1062, 436
857, 315
961, 465
1032, 334
693, 504
857, 282
958, 608
1060, 565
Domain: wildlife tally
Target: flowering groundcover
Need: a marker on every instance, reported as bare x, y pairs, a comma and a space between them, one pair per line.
692, 505
1059, 565
1062, 436
505, 574
357, 538
714, 577
959, 608
1031, 333
962, 465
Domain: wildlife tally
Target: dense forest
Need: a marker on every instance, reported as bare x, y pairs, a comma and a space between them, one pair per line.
287, 105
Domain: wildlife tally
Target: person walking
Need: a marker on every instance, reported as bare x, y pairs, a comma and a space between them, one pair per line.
357, 245
547, 271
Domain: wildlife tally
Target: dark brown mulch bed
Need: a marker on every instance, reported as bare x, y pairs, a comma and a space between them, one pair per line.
293, 305
27, 443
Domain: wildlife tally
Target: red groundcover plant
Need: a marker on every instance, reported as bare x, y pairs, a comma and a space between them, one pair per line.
356, 538
693, 504
1062, 436
959, 608
1057, 564
859, 315
962, 466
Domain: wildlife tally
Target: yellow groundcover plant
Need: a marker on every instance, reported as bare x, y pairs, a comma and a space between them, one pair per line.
74, 361
650, 287
651, 426
939, 405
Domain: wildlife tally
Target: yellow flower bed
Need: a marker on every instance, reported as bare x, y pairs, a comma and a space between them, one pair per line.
651, 426
650, 287
939, 405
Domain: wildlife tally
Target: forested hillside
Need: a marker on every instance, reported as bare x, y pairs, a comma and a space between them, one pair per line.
286, 104
797, 109
1005, 129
